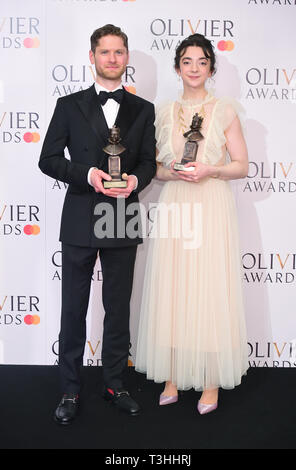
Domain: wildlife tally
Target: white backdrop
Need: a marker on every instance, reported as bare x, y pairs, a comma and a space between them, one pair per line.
44, 48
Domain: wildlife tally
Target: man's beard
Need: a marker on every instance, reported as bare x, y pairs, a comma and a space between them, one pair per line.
111, 75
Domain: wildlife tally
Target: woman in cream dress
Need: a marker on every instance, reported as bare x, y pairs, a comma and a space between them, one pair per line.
192, 328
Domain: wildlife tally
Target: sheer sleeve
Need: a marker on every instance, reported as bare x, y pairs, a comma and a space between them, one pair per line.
163, 125
226, 110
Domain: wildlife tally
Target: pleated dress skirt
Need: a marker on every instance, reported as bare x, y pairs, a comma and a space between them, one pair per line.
192, 325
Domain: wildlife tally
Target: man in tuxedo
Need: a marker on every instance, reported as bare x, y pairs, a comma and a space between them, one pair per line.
81, 122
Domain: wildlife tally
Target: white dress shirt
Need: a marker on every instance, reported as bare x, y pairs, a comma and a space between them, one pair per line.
111, 107
110, 110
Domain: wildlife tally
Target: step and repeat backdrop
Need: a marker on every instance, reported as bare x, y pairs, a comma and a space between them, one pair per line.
44, 47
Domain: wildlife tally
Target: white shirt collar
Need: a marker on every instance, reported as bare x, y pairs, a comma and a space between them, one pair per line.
99, 88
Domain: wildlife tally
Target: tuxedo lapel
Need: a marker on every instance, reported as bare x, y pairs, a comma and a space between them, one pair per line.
90, 107
127, 113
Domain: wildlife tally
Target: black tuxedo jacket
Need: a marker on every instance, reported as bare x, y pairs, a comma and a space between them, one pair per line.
78, 123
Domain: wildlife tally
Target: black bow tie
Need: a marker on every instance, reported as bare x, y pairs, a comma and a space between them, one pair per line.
104, 96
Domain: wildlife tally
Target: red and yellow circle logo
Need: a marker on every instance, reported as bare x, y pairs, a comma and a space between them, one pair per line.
31, 43
131, 89
31, 229
31, 137
225, 45
32, 319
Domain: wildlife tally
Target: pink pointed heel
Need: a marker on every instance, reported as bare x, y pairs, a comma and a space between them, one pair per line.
204, 409
167, 400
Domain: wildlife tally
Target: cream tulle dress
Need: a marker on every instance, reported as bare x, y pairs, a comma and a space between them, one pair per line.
192, 327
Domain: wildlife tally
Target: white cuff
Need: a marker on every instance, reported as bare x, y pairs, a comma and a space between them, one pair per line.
88, 174
136, 182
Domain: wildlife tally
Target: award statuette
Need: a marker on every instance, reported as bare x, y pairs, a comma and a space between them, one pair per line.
114, 149
191, 146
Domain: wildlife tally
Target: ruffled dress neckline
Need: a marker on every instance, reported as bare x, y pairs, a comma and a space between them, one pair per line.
195, 102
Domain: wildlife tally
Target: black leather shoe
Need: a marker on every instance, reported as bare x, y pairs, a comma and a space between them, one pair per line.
122, 400
67, 409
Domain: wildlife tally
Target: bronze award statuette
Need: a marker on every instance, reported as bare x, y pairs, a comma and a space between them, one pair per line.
191, 146
114, 149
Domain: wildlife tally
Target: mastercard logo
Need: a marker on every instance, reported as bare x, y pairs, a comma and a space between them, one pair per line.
32, 319
31, 43
31, 137
31, 229
131, 89
225, 45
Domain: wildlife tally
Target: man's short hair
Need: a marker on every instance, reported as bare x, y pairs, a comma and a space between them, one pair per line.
108, 29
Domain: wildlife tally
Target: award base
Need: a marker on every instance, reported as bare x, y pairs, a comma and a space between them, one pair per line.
180, 167
115, 184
